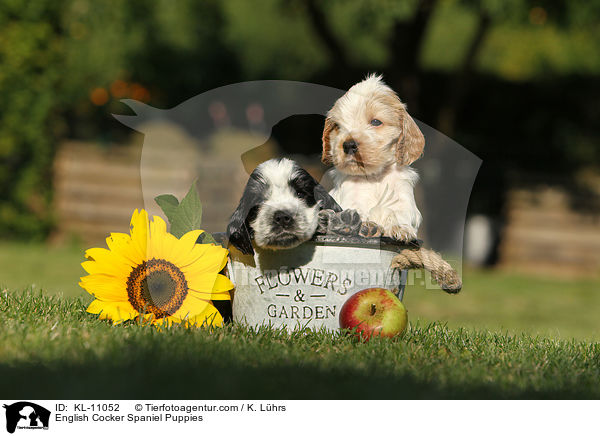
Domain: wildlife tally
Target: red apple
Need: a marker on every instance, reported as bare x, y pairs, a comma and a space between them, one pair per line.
374, 312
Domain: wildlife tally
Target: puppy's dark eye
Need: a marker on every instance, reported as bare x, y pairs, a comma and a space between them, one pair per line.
375, 122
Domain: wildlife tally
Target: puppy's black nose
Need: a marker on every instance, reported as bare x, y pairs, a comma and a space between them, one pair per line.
350, 147
283, 219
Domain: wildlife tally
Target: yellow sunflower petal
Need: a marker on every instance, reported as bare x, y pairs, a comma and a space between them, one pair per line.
159, 322
208, 296
120, 244
225, 296
222, 284
213, 282
96, 306
104, 287
188, 241
202, 282
154, 246
183, 251
110, 259
198, 251
139, 232
190, 307
98, 254
163, 245
211, 261
219, 291
169, 247
158, 226
113, 269
209, 317
118, 236
223, 263
149, 318
117, 312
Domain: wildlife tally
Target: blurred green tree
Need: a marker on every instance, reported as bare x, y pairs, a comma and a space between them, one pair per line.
64, 65
30, 41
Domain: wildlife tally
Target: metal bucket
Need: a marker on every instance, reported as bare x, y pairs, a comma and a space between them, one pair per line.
306, 286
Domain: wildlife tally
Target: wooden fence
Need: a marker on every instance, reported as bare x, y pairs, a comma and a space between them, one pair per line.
97, 188
545, 233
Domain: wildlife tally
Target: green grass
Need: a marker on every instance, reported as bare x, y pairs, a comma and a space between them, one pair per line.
493, 300
560, 308
51, 348
503, 336
54, 269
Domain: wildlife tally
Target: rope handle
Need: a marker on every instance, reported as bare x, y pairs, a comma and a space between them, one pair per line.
423, 258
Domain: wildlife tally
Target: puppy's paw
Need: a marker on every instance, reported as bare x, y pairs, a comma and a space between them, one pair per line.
370, 229
402, 233
324, 217
351, 220
345, 223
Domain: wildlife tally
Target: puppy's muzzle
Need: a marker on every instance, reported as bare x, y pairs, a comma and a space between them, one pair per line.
350, 146
283, 220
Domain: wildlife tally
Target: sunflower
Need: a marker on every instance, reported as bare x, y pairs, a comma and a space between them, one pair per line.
152, 274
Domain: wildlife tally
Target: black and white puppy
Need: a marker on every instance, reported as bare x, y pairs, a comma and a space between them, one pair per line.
279, 208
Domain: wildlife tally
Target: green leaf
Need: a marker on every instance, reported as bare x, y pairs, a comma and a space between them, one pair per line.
206, 238
185, 216
168, 203
188, 214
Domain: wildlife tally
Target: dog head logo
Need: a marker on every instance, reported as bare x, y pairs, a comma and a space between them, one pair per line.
26, 415
234, 124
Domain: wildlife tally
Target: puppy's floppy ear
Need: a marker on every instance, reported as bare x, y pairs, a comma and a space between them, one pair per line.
411, 143
238, 229
320, 193
329, 127
327, 201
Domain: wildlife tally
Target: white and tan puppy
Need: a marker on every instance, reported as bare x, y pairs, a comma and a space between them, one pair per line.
371, 141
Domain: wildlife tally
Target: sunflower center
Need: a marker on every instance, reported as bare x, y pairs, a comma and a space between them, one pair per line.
156, 287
